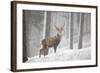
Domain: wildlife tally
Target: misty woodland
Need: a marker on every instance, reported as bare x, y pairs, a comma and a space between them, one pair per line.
56, 36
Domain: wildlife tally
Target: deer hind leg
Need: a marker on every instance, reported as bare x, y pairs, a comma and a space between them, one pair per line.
41, 52
45, 51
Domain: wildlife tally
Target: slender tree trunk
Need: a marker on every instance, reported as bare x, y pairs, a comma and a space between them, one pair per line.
81, 32
71, 30
48, 22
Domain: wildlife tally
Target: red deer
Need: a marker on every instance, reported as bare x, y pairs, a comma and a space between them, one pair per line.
51, 41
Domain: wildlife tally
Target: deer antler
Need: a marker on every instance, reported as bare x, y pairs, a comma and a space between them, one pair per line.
62, 27
56, 27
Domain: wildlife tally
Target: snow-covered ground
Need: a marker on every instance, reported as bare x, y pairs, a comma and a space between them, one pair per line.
82, 54
64, 53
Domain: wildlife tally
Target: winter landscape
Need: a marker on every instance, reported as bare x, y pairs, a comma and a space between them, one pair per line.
74, 43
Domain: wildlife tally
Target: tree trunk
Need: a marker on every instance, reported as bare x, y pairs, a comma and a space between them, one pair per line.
81, 32
71, 31
48, 22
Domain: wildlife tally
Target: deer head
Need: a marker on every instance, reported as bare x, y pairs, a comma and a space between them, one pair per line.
60, 30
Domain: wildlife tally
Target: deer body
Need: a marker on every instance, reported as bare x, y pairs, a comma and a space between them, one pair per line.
51, 42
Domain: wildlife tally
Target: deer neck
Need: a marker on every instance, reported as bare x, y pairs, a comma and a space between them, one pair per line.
58, 36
